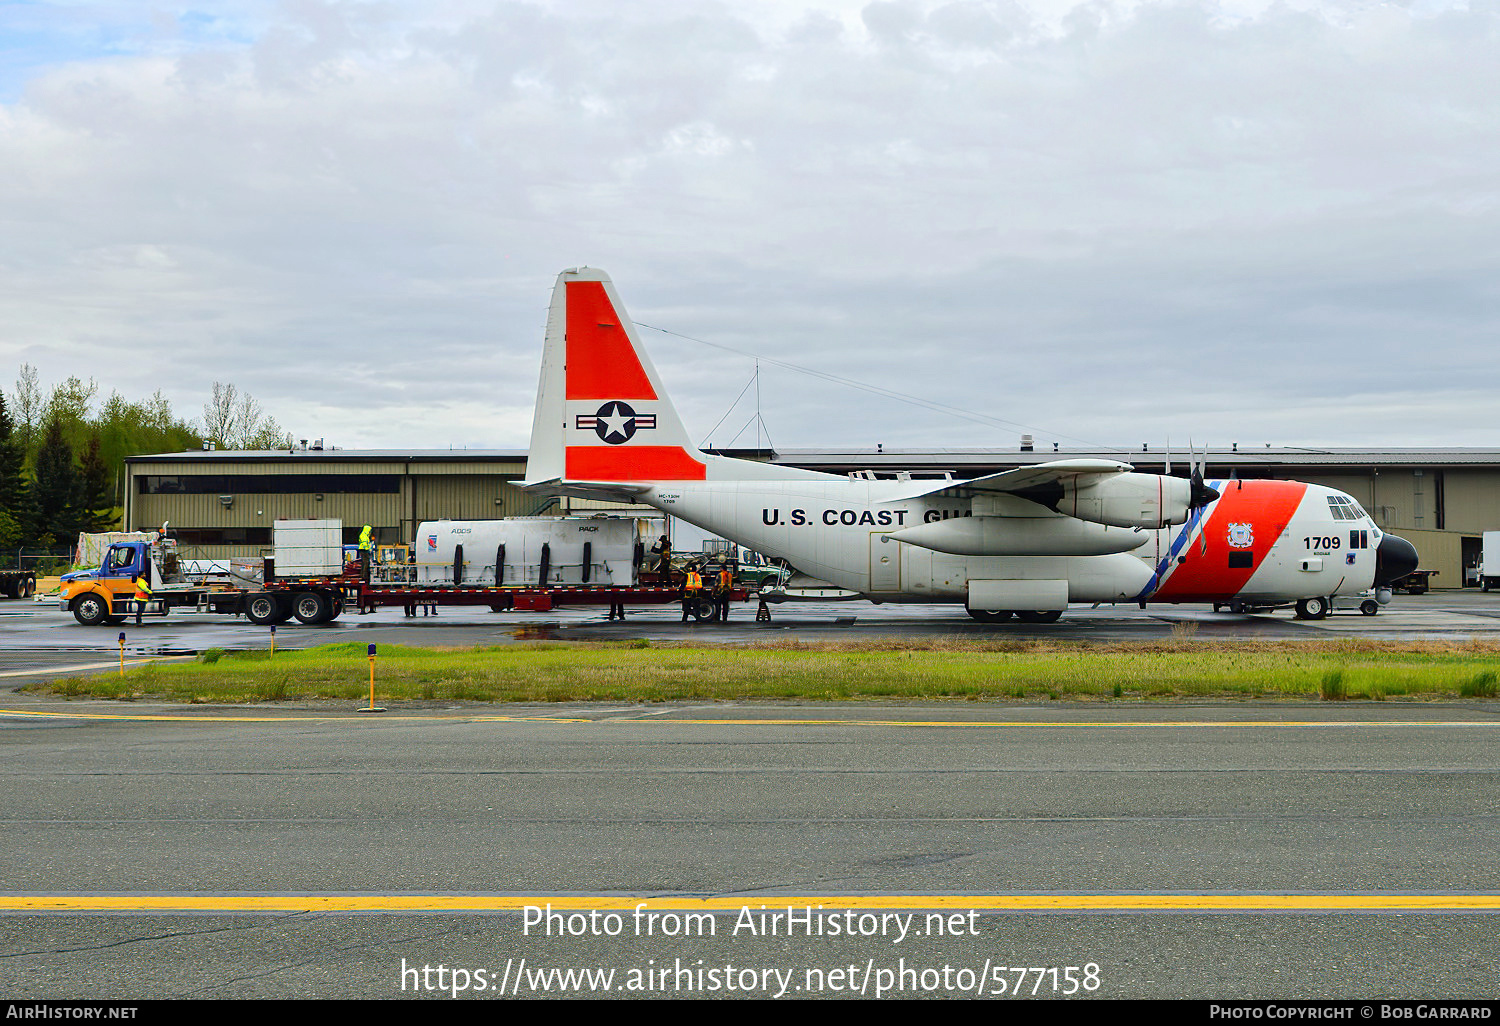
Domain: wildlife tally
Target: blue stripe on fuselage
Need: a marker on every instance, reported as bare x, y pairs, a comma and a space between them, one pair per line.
1183, 540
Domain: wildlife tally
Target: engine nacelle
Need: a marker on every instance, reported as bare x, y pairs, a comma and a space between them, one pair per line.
1150, 501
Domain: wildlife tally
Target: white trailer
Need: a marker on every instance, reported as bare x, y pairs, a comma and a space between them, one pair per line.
1489, 561
598, 550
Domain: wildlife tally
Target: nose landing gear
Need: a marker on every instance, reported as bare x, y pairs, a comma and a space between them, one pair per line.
1312, 608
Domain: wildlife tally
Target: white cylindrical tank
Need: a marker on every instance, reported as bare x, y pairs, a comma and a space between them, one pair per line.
611, 552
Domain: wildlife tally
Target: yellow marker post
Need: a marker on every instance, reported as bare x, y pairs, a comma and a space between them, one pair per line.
373, 707
122, 653
273, 640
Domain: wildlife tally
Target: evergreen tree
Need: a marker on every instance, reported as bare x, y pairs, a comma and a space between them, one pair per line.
96, 489
58, 489
15, 509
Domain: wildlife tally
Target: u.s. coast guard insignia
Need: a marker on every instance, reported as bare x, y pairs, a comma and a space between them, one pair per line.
1241, 536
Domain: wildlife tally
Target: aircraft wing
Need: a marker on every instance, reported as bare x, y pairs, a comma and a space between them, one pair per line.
1025, 479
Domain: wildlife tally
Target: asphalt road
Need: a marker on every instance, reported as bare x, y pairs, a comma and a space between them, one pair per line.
1202, 806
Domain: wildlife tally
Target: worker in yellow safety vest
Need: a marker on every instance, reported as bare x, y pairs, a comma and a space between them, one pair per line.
692, 587
142, 596
364, 552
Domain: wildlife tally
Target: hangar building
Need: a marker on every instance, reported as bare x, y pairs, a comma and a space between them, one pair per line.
223, 502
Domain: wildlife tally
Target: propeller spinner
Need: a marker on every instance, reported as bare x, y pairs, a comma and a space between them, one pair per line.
1202, 494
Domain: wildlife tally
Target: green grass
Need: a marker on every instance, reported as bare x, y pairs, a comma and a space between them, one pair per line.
633, 671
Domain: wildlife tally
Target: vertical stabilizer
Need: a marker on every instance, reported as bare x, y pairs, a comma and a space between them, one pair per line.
602, 415
601, 412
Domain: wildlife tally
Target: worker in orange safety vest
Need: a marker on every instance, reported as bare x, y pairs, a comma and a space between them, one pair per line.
723, 590
692, 588
142, 596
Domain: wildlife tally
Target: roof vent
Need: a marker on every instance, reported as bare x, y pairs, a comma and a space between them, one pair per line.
1027, 443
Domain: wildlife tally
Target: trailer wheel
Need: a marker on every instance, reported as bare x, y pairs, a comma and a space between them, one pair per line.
991, 615
261, 608
705, 609
1369, 607
1039, 616
91, 611
30, 588
309, 607
336, 607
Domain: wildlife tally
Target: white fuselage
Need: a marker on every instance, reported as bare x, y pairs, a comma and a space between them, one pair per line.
837, 531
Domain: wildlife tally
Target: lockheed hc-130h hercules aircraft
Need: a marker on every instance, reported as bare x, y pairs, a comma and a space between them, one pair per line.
1022, 543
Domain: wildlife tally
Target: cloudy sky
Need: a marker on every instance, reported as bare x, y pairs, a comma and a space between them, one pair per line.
1103, 222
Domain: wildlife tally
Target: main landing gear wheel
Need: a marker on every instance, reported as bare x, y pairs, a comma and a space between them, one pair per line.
1312, 609
991, 615
91, 611
1039, 616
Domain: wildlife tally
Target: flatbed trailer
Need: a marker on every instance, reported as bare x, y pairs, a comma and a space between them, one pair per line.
316, 600
368, 596
324, 589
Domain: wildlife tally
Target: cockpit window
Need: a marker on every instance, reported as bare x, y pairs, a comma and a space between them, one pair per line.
1344, 508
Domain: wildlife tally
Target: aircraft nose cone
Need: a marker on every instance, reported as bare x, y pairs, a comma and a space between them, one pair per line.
1394, 559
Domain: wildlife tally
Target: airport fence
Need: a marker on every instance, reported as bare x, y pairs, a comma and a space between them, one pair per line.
55, 560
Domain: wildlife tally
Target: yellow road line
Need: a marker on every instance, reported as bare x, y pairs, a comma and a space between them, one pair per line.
493, 718
347, 903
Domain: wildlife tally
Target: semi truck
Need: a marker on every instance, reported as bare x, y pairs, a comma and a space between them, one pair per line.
306, 578
556, 561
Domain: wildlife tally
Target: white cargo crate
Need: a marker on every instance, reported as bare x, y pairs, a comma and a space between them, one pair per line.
308, 548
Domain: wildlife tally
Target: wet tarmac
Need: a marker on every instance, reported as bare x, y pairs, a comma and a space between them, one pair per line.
39, 636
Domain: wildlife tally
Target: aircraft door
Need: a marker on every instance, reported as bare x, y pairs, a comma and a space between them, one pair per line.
885, 564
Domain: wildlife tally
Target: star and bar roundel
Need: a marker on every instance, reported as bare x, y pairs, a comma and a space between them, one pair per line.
616, 422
